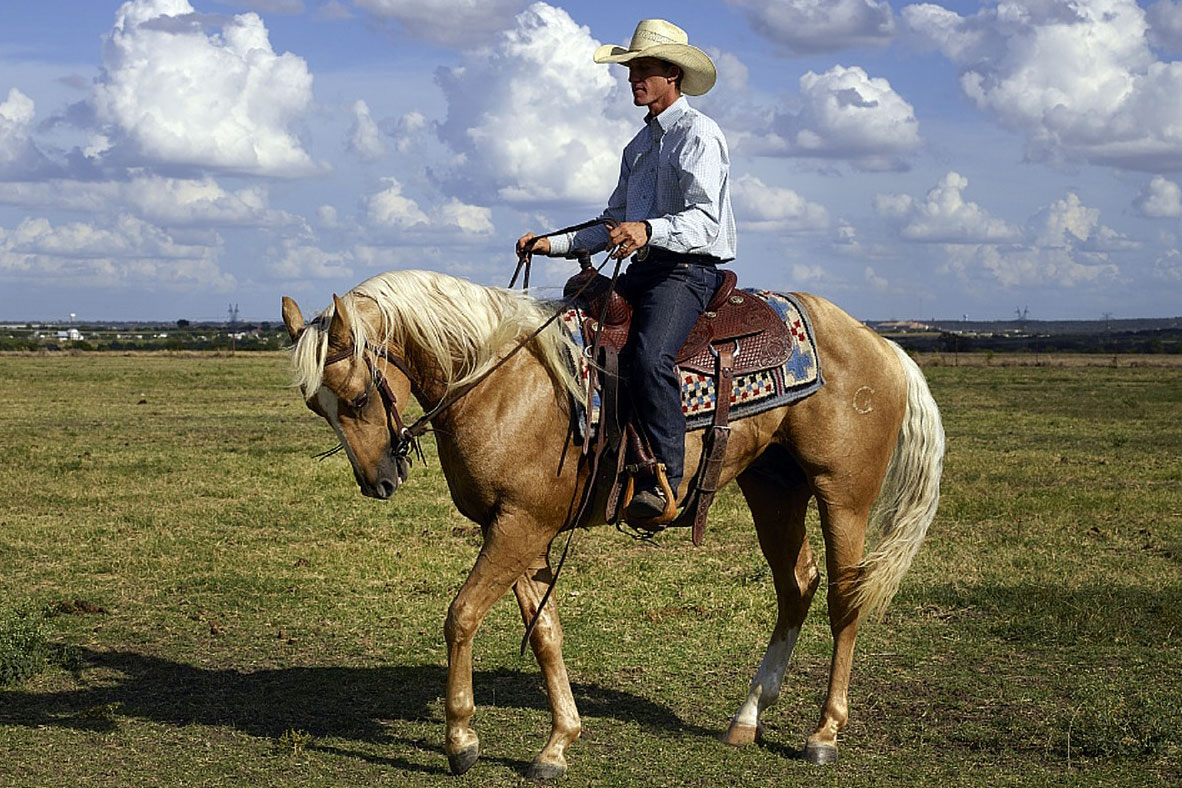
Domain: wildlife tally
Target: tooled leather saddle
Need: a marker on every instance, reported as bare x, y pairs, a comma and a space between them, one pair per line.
737, 334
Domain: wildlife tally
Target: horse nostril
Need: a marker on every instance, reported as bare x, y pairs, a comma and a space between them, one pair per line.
385, 488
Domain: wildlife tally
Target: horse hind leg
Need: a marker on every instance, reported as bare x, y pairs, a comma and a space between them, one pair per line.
845, 532
778, 496
546, 641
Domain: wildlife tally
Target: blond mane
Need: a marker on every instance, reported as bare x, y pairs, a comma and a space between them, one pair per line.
466, 328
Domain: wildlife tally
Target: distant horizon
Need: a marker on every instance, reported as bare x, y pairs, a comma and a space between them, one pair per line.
278, 319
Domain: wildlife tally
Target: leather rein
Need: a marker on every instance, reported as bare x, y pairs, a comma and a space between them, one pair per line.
404, 439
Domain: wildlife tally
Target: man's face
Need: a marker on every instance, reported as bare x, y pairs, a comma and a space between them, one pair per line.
653, 81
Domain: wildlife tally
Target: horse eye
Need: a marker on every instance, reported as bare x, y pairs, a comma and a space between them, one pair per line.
358, 402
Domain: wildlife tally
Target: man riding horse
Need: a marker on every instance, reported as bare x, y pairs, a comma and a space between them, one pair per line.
671, 211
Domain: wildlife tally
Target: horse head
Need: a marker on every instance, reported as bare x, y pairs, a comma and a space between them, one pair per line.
360, 394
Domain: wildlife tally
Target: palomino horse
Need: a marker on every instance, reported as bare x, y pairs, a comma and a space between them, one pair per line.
868, 446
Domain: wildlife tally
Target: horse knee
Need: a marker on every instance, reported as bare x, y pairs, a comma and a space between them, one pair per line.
546, 638
460, 624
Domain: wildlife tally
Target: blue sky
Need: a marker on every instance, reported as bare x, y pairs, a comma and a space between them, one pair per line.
162, 159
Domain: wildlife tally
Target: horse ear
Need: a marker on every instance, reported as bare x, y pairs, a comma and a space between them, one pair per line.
340, 330
293, 318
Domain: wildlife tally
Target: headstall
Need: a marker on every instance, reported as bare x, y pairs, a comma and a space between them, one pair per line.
403, 439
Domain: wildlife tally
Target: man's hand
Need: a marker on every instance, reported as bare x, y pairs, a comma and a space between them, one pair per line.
627, 238
540, 246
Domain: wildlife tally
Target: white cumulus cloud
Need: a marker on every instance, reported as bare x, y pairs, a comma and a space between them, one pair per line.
165, 201
1062, 245
172, 94
1168, 267
128, 252
459, 23
764, 208
527, 116
1161, 198
1068, 223
470, 220
364, 138
1056, 266
453, 221
1077, 77
844, 113
944, 216
812, 26
19, 157
390, 208
299, 259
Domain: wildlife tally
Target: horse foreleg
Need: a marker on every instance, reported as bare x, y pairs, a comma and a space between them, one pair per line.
546, 640
508, 551
845, 533
778, 500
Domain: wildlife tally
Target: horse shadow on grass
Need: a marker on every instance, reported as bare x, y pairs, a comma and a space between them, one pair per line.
361, 704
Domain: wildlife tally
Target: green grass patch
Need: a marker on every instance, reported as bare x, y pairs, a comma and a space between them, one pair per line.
230, 611
24, 648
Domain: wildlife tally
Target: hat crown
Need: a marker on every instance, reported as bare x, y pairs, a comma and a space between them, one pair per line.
653, 32
665, 41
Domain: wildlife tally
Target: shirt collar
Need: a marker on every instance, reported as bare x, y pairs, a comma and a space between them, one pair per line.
671, 115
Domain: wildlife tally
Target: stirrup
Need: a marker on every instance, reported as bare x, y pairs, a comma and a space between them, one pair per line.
659, 522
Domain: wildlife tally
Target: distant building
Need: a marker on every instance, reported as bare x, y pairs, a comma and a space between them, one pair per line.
70, 335
902, 325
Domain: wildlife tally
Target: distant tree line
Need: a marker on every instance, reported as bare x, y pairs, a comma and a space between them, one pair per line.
1132, 342
181, 335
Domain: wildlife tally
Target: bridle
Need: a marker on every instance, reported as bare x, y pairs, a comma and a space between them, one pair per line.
403, 439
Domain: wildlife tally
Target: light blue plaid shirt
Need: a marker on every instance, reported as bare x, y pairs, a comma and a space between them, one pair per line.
675, 173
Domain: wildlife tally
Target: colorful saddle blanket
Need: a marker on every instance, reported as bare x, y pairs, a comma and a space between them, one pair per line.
752, 393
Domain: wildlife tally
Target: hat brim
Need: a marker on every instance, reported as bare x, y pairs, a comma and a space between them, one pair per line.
698, 72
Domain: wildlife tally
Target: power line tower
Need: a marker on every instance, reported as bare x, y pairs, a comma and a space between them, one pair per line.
233, 310
1021, 313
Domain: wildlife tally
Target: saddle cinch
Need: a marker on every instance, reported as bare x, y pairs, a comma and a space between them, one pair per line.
736, 335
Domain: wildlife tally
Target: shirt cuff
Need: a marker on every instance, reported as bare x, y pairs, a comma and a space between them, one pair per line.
662, 230
560, 244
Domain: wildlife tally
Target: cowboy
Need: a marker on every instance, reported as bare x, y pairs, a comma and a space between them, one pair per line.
671, 211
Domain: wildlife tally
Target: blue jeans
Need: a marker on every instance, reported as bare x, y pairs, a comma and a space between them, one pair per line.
667, 299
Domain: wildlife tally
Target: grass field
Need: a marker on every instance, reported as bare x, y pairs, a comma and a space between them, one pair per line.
224, 610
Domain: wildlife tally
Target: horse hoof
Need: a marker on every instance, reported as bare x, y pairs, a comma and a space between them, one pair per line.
541, 771
820, 754
741, 735
462, 761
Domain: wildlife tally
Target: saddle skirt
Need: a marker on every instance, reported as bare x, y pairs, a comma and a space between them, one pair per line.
776, 359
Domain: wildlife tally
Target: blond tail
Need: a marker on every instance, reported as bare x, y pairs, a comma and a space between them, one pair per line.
906, 504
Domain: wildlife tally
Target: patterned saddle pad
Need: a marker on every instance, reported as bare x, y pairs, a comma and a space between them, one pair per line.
752, 393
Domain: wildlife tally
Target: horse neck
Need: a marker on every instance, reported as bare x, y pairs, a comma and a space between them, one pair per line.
426, 376
427, 380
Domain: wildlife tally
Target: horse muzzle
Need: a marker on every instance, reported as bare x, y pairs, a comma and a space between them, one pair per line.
390, 476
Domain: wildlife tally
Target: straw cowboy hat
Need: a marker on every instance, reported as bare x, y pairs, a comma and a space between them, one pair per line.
665, 41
